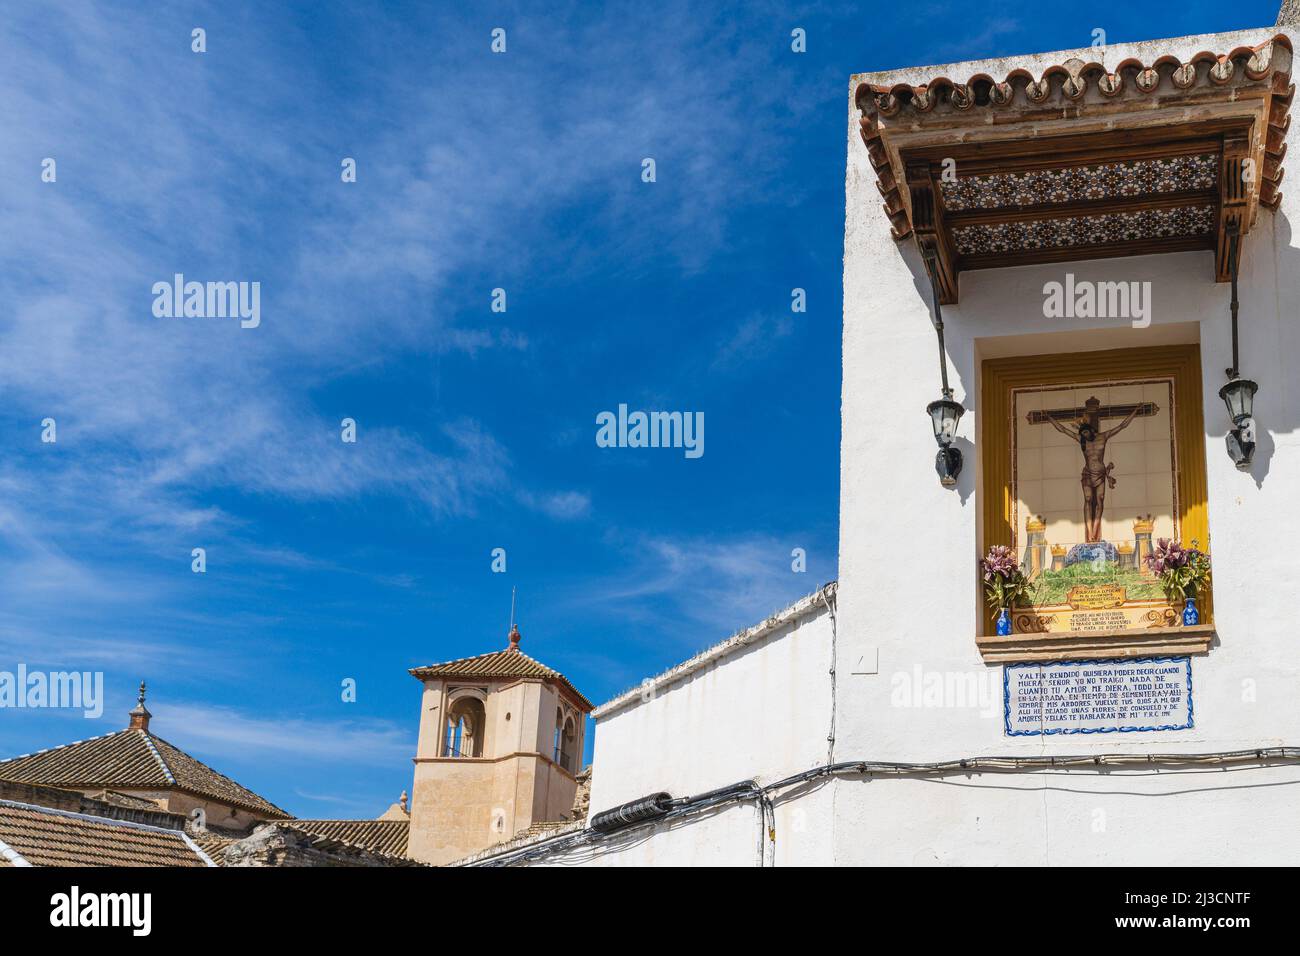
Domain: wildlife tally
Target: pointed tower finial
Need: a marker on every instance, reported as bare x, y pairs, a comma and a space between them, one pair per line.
139, 714
514, 628
402, 800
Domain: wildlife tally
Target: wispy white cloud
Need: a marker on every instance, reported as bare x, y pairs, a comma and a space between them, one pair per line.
172, 162
983, 41
701, 587
364, 809
185, 404
561, 505
227, 732
751, 340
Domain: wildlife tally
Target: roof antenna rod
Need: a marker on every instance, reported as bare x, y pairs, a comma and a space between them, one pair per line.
514, 628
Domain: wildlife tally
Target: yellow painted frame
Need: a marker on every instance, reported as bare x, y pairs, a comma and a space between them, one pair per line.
1182, 363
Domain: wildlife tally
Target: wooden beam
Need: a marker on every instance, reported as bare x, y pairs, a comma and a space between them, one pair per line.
1239, 175
1073, 155
1114, 250
1065, 149
927, 225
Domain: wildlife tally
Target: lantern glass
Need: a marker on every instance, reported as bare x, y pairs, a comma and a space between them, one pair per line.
944, 416
1239, 396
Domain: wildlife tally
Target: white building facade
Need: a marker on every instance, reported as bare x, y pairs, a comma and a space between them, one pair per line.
898, 663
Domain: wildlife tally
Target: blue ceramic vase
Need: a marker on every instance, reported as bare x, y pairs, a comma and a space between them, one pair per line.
1004, 622
1190, 614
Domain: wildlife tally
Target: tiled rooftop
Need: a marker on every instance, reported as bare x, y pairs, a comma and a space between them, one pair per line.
45, 837
379, 836
132, 759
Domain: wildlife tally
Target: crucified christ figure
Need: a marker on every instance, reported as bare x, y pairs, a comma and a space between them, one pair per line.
1096, 475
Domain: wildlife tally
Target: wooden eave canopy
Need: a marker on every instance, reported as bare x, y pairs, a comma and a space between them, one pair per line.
1085, 162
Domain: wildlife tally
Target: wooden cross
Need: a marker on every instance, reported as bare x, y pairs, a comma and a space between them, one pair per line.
1096, 470
1105, 411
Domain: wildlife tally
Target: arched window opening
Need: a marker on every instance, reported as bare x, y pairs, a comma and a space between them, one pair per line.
568, 740
464, 729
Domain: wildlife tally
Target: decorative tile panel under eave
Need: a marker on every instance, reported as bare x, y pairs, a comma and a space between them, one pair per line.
1084, 161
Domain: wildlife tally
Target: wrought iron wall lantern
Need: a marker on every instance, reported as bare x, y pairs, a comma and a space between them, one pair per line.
944, 412
1239, 393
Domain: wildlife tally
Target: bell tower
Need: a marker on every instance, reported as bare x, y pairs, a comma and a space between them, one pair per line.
500, 747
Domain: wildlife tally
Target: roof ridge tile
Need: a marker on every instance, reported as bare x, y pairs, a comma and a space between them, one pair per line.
162, 764
45, 750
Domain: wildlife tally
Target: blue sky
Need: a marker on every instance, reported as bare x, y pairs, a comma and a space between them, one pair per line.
476, 430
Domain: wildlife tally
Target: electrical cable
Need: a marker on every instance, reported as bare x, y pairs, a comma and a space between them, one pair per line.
746, 790
830, 737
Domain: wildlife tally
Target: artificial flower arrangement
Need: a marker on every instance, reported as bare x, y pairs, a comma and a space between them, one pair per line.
1183, 572
1005, 584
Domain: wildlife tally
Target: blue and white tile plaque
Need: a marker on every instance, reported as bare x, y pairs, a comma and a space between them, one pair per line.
1097, 697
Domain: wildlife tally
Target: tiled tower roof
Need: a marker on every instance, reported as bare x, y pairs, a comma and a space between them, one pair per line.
511, 662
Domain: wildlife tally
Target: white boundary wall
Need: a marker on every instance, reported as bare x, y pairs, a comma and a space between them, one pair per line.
755, 707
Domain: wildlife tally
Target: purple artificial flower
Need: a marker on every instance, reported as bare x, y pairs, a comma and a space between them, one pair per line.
1168, 555
999, 561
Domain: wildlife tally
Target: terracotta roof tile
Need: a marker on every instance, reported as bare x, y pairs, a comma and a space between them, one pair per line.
285, 843
498, 664
45, 837
213, 845
1063, 90
123, 800
1070, 81
379, 836
131, 759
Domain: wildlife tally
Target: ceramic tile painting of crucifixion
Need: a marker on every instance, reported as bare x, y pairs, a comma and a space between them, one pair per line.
1094, 485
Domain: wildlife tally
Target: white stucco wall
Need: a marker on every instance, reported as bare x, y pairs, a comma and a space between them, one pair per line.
728, 836
762, 711
754, 708
907, 548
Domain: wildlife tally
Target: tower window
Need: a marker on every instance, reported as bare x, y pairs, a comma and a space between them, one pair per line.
565, 741
464, 729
